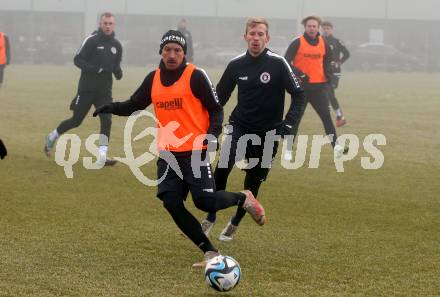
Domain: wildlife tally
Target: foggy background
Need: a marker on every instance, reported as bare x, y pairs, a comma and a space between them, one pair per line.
389, 35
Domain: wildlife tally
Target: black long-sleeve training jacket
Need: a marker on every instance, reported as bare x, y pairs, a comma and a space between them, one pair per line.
262, 82
98, 58
201, 87
339, 53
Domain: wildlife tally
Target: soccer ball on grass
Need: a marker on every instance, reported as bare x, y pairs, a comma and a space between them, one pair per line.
222, 273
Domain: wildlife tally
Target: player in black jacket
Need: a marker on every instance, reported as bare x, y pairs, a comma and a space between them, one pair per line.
98, 58
199, 113
262, 78
339, 54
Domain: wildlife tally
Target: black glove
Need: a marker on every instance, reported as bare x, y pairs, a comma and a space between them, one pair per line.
3, 151
285, 129
107, 108
118, 75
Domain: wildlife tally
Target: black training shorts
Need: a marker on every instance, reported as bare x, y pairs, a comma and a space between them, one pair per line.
198, 178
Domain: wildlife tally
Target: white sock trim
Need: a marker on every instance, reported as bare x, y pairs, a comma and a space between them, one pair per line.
103, 148
54, 135
339, 112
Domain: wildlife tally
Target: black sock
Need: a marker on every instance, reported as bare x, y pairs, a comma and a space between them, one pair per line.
186, 222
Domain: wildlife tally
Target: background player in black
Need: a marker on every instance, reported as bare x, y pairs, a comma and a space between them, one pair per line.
173, 190
339, 54
182, 28
98, 58
316, 93
262, 78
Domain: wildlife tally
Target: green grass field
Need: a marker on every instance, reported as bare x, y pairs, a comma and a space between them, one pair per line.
103, 233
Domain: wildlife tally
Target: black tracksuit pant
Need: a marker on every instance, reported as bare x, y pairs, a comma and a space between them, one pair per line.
332, 98
331, 95
81, 105
319, 99
254, 176
2, 70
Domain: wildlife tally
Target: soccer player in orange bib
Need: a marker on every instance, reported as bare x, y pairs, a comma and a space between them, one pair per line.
183, 93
